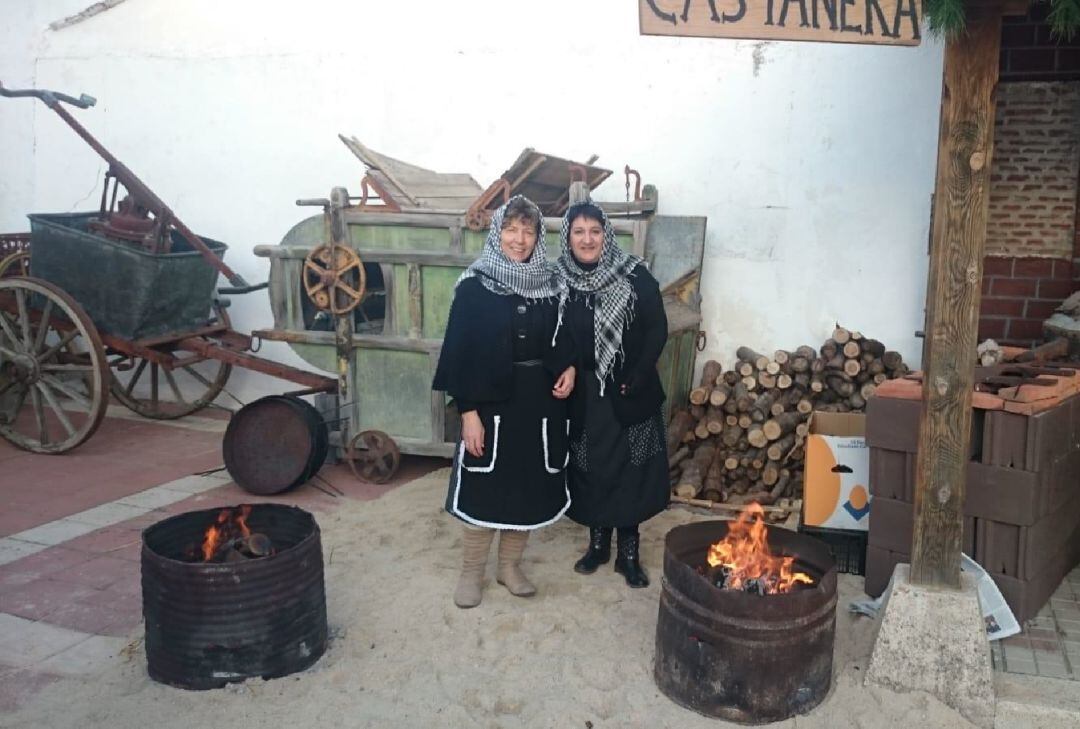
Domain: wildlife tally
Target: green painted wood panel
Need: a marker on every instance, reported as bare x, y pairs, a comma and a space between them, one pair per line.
400, 301
392, 392
308, 232
472, 241
321, 356
438, 287
400, 238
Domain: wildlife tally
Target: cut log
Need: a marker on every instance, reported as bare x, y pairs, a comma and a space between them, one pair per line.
781, 357
731, 435
678, 457
745, 354
806, 352
867, 390
852, 367
746, 420
756, 437
768, 381
779, 449
872, 346
841, 335
783, 381
714, 420
805, 406
720, 394
700, 394
773, 368
750, 381
892, 360
800, 364
731, 377
680, 423
770, 473
781, 424
852, 349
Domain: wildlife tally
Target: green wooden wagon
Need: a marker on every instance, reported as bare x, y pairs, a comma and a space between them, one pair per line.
412, 257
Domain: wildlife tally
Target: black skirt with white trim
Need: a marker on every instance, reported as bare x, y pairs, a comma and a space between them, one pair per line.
520, 480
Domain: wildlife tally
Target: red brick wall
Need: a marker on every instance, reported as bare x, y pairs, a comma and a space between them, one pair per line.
1036, 167
1019, 293
1033, 246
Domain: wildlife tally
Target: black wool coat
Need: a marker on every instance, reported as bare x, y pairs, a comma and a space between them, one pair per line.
643, 341
477, 359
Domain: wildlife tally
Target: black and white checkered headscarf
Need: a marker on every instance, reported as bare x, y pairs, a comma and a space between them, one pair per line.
613, 294
532, 279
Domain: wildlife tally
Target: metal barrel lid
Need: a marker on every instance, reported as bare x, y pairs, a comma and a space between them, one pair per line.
270, 445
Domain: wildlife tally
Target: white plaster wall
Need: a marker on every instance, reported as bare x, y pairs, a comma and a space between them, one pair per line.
813, 162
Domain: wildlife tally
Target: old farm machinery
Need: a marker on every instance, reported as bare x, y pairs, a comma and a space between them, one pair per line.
122, 301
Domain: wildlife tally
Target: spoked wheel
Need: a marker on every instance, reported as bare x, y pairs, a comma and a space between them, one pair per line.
373, 456
53, 373
17, 264
155, 392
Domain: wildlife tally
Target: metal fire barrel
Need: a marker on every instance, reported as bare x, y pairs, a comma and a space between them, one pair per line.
209, 624
751, 659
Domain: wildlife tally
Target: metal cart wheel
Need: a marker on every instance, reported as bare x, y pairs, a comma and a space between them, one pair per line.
373, 456
16, 264
51, 355
159, 404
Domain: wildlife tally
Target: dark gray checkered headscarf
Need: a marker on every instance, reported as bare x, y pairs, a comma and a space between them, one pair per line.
609, 282
532, 279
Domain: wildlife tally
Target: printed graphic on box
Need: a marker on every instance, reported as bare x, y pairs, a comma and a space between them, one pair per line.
836, 494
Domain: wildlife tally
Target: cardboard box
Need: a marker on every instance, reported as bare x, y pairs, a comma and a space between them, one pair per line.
835, 493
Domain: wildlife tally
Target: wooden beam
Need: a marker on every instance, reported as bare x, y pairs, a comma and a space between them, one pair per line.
965, 147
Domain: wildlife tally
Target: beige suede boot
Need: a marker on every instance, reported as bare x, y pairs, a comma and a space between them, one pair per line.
511, 547
476, 545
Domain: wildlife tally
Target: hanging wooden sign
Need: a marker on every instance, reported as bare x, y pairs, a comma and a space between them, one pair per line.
882, 22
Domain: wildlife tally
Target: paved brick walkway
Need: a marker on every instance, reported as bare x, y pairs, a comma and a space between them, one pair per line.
70, 536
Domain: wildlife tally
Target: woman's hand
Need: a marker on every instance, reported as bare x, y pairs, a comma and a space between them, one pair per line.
472, 433
565, 384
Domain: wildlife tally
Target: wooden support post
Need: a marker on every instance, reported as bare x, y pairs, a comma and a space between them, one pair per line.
965, 146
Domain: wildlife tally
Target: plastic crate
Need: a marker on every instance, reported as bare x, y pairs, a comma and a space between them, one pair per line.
848, 548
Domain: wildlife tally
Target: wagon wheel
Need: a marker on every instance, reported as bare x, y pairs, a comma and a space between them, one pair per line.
160, 393
334, 278
16, 264
373, 456
50, 355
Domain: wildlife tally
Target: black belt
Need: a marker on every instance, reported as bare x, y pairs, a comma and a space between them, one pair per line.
529, 363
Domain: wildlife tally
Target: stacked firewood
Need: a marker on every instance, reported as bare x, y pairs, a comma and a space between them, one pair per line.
742, 437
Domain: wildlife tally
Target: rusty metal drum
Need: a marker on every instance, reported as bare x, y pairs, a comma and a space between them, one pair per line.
732, 655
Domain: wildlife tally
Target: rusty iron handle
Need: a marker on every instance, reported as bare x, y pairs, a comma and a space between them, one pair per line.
51, 98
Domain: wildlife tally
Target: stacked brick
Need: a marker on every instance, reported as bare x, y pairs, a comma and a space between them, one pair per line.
1019, 294
1022, 501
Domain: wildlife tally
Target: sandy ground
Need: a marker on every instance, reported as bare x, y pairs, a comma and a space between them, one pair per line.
579, 654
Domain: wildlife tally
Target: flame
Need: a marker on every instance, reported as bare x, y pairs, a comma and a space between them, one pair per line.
744, 553
228, 525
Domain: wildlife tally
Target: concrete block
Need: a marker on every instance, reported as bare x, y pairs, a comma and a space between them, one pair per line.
934, 640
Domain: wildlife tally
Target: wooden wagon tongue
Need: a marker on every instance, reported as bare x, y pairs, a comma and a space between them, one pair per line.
742, 559
229, 539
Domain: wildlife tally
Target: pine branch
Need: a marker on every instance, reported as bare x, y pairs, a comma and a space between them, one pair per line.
946, 18
1064, 19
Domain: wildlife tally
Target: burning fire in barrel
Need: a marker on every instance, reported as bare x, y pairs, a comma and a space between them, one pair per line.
747, 620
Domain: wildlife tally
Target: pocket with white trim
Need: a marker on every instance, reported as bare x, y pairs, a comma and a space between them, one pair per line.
555, 439
486, 462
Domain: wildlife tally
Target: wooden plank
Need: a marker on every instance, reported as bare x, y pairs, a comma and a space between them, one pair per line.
876, 22
965, 146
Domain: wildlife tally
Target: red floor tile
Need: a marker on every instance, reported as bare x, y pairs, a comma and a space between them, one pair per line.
99, 572
37, 599
105, 541
42, 564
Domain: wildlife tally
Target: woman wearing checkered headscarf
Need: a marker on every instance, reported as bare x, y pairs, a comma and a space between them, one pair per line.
509, 371
618, 472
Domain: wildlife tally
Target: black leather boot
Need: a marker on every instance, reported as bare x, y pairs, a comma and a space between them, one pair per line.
627, 563
598, 553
